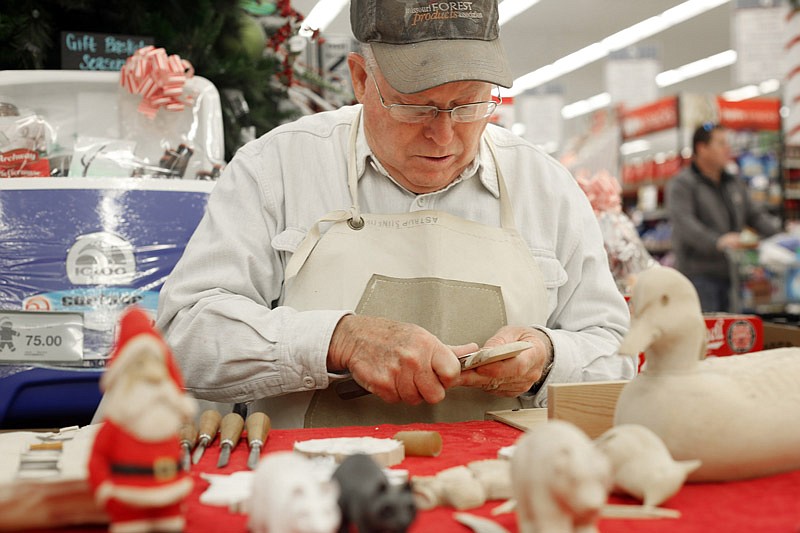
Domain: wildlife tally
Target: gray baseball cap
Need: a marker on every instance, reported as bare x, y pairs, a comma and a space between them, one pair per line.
420, 44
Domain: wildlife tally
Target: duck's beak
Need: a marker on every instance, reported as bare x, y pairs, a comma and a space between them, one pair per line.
639, 338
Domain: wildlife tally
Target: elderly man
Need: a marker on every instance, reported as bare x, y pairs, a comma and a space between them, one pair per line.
378, 242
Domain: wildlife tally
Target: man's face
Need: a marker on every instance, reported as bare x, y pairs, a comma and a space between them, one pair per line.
423, 157
717, 152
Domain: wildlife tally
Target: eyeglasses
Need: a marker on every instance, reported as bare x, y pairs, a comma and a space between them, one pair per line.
414, 114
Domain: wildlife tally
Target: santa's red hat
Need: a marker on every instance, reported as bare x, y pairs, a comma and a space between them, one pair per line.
137, 335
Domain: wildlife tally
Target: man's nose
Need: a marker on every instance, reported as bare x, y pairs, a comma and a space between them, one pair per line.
440, 129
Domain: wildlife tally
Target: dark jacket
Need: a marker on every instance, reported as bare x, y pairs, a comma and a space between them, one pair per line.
701, 211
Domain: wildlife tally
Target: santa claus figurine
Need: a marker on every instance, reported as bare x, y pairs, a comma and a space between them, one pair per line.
135, 467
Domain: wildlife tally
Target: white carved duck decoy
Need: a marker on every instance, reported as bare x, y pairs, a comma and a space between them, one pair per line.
739, 415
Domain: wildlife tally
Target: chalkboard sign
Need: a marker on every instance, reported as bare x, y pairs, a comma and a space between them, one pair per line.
98, 51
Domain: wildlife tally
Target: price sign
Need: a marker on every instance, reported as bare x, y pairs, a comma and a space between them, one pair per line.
41, 336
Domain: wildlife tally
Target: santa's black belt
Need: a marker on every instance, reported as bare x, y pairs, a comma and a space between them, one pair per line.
162, 469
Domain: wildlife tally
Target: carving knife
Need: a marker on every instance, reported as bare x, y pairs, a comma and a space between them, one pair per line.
209, 425
257, 426
229, 434
188, 437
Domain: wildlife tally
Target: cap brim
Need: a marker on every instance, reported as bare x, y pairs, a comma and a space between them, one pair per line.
416, 67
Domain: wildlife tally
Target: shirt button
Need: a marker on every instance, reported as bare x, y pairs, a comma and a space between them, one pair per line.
422, 202
308, 382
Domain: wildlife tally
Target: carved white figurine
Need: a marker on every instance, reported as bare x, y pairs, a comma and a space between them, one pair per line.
464, 487
291, 496
642, 465
738, 415
560, 480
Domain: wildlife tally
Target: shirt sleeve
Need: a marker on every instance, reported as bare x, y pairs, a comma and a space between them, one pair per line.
589, 321
217, 308
590, 316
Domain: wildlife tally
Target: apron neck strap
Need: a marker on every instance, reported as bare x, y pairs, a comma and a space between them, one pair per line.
506, 210
352, 168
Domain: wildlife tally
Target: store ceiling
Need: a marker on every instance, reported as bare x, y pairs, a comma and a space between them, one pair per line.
554, 28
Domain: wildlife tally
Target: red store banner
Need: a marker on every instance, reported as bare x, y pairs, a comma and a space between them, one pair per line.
660, 115
753, 114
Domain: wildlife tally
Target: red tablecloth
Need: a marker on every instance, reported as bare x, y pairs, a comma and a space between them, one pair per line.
765, 505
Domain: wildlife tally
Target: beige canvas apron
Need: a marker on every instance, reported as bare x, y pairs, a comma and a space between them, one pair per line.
458, 279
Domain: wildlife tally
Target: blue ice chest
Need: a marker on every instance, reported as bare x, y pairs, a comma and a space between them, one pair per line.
85, 248
32, 397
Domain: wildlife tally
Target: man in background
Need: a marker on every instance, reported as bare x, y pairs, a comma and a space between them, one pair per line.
709, 208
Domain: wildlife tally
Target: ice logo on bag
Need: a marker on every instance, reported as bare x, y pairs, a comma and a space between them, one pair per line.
101, 259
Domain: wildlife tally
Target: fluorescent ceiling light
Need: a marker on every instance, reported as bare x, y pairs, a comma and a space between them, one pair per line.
321, 16
581, 107
634, 147
616, 41
696, 68
752, 91
508, 9
742, 93
683, 73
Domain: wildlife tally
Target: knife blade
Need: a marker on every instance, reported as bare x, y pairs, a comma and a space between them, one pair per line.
348, 389
257, 426
230, 431
188, 439
209, 425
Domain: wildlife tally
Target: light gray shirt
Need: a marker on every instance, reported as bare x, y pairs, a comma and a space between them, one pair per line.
221, 307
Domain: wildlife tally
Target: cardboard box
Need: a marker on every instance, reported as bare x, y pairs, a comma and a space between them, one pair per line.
780, 335
733, 334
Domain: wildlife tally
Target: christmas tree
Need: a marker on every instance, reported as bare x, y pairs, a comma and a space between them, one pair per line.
224, 40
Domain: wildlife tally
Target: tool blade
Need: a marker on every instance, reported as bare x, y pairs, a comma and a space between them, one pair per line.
224, 456
186, 460
198, 453
255, 455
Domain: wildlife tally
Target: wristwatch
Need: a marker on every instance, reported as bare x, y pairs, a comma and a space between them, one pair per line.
546, 372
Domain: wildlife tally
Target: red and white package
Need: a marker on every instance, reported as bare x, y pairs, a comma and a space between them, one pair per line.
23, 143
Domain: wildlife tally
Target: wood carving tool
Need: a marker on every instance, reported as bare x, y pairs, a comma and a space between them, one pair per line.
257, 426
188, 437
229, 434
209, 425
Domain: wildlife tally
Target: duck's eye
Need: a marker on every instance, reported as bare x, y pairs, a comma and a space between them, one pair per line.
664, 299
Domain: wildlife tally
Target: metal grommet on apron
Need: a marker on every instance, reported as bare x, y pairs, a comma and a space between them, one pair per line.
355, 223
459, 279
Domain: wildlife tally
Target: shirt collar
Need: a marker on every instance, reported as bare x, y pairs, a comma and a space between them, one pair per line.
724, 175
483, 165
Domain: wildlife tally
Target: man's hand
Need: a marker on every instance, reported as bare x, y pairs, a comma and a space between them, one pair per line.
512, 377
728, 241
397, 362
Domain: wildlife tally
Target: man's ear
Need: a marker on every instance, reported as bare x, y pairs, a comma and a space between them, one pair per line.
358, 74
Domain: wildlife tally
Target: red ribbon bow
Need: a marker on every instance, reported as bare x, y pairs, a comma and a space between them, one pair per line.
158, 78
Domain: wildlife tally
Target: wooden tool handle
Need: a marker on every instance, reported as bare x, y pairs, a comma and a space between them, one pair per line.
209, 423
188, 433
47, 446
257, 425
231, 428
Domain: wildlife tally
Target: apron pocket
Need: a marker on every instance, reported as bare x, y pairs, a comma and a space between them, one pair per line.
457, 312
